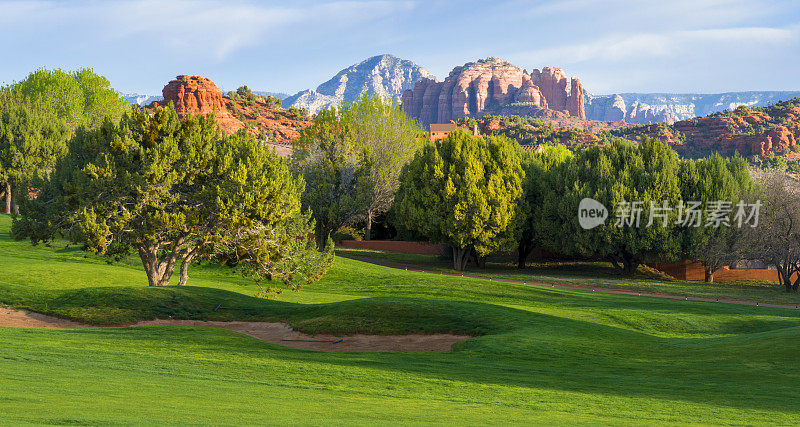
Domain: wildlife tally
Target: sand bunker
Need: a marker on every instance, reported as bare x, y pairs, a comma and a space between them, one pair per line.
276, 333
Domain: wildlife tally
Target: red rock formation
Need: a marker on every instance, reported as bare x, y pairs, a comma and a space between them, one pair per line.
575, 100
744, 130
491, 85
195, 94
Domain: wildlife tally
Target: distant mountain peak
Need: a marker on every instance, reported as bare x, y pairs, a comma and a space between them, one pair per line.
385, 75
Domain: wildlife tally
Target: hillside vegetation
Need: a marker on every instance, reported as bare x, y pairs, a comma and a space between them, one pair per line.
757, 131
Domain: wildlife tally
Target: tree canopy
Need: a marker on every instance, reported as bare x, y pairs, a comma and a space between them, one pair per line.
629, 179
538, 191
351, 159
175, 191
709, 181
31, 140
78, 98
463, 191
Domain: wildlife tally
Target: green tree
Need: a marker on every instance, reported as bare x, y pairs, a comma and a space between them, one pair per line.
79, 98
335, 173
463, 191
388, 138
539, 190
707, 181
31, 140
175, 191
272, 102
618, 175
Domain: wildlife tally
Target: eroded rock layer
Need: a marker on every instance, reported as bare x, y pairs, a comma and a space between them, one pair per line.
495, 86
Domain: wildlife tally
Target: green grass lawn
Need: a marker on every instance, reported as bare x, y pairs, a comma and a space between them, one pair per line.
540, 355
599, 275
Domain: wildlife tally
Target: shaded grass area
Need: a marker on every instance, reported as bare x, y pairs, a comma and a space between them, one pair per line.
597, 274
540, 355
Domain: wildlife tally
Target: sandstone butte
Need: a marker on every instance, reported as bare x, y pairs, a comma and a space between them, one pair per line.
497, 87
196, 94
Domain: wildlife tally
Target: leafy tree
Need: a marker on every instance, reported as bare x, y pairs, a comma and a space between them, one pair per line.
351, 159
776, 239
335, 173
244, 91
175, 191
539, 190
297, 113
272, 102
31, 140
708, 181
389, 138
617, 175
463, 191
79, 98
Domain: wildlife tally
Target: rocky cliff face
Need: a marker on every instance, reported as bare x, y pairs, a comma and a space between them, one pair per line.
384, 75
641, 108
494, 86
195, 94
199, 95
615, 108
748, 131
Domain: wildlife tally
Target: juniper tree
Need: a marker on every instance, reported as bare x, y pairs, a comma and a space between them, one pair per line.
618, 175
538, 191
31, 140
707, 182
174, 191
463, 191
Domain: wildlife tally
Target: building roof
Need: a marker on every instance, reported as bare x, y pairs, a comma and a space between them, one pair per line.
441, 127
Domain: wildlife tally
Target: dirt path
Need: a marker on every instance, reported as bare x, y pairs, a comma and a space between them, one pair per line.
411, 267
276, 333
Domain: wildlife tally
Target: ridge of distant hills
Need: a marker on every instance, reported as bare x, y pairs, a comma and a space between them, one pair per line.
391, 76
749, 131
657, 107
141, 100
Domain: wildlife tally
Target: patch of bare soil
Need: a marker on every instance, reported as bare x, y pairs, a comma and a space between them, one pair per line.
26, 319
273, 332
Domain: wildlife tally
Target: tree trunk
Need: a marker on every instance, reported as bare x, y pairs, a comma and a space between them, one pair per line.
523, 250
368, 229
784, 277
630, 264
478, 260
709, 274
8, 198
615, 262
320, 236
185, 269
159, 272
460, 258
796, 282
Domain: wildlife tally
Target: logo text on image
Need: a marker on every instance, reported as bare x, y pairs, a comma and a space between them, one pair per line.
591, 213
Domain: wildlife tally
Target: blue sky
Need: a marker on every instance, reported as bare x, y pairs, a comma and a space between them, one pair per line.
613, 46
